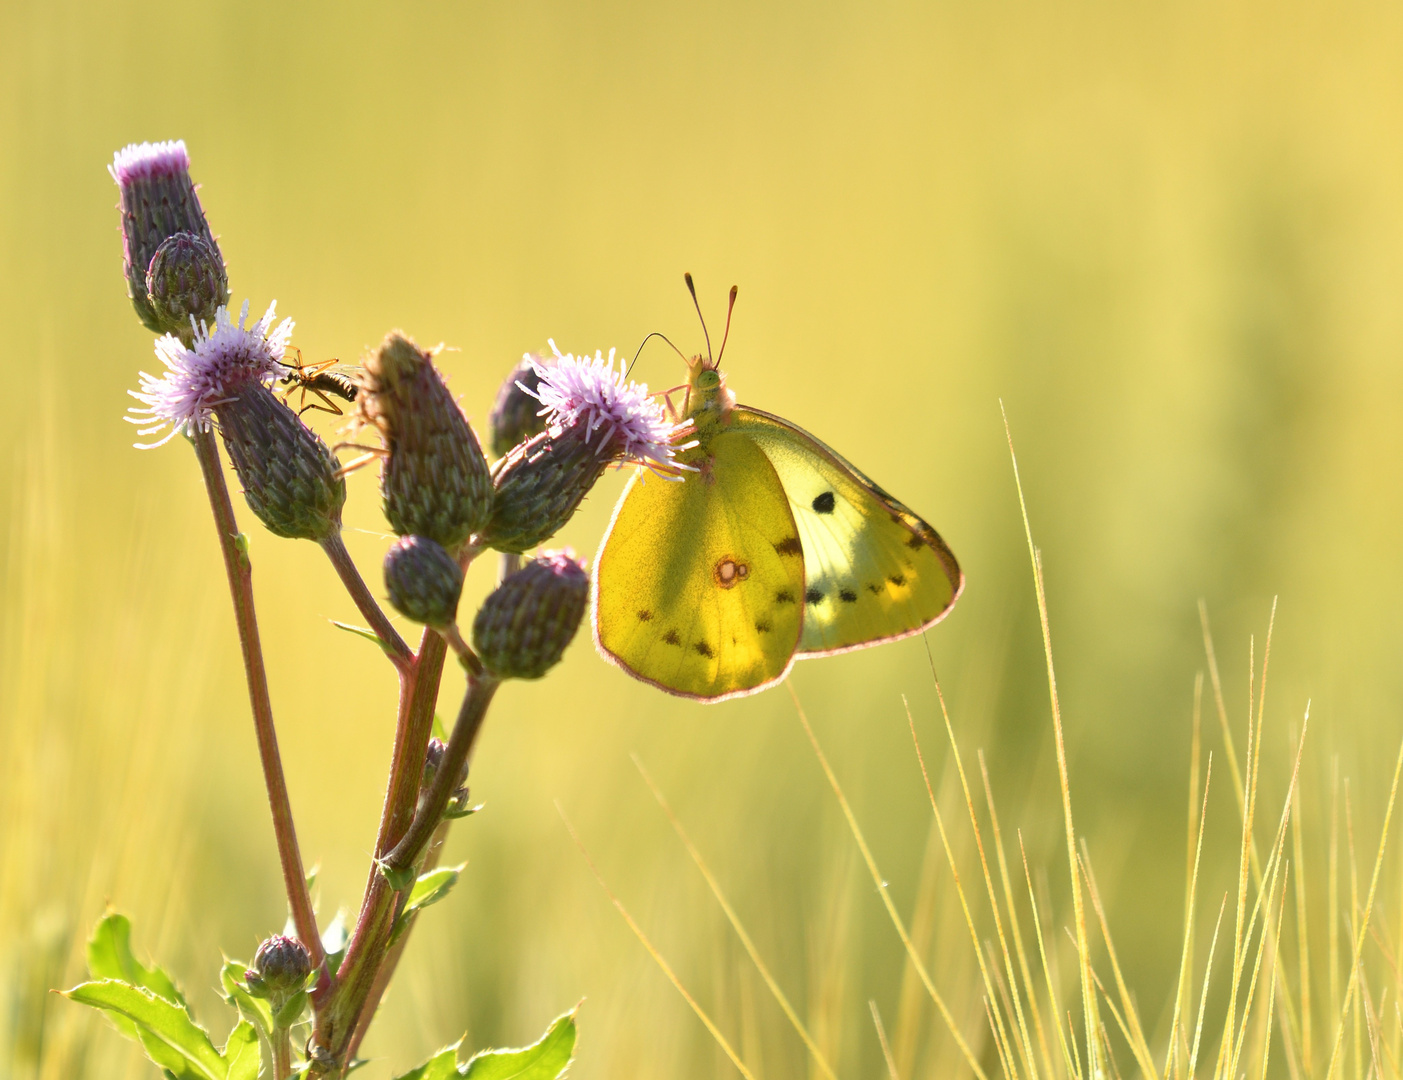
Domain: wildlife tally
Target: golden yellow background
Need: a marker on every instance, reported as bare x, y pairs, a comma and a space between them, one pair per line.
1169, 237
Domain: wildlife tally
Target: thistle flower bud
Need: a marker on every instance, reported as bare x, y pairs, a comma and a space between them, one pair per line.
522, 629
594, 417
186, 279
424, 581
516, 414
289, 475
539, 485
433, 759
280, 967
434, 481
158, 200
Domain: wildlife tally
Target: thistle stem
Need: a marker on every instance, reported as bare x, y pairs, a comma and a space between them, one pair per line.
240, 574
393, 644
430, 813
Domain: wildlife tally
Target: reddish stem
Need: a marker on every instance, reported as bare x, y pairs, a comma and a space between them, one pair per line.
240, 574
393, 644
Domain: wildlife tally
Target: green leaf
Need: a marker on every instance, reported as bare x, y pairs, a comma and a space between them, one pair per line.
440, 732
242, 1057
429, 889
398, 879
545, 1060
441, 1066
166, 1032
361, 631
236, 992
110, 957
432, 887
292, 1011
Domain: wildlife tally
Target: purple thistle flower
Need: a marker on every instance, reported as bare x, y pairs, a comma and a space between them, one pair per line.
222, 362
143, 161
584, 390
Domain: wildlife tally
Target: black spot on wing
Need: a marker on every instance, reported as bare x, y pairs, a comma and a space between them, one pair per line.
764, 626
790, 546
644, 615
847, 596
916, 542
823, 504
897, 579
671, 638
813, 596
874, 589
784, 596
703, 649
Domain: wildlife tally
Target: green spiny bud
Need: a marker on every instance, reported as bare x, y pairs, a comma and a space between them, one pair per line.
289, 475
539, 485
158, 200
516, 414
522, 629
434, 480
186, 278
424, 581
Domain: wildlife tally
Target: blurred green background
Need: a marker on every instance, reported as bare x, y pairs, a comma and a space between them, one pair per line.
1169, 237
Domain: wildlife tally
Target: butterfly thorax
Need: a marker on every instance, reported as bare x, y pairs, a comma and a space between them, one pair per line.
709, 401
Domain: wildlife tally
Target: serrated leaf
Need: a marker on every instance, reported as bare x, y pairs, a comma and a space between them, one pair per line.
544, 1060
242, 1057
441, 1066
236, 992
166, 1032
110, 957
361, 631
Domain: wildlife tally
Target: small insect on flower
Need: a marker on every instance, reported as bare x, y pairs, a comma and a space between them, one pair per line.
328, 377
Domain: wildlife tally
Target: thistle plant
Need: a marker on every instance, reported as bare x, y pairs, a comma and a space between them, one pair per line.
305, 1003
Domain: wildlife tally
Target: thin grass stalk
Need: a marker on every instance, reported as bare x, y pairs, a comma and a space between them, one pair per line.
1025, 1046
1203, 994
1181, 993
1333, 874
1273, 969
882, 1040
1068, 1053
1368, 910
882, 890
1371, 1028
1088, 993
1005, 1066
1015, 931
1356, 1020
653, 952
735, 922
1135, 1036
1302, 934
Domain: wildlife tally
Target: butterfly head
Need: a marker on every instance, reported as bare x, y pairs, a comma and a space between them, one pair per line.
709, 402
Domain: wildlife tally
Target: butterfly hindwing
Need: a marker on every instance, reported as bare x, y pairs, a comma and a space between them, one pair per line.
874, 570
699, 584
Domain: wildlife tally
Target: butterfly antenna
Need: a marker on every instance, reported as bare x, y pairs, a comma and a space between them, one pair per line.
693, 290
730, 308
654, 334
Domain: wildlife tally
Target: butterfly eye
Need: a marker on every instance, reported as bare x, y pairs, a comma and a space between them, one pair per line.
708, 380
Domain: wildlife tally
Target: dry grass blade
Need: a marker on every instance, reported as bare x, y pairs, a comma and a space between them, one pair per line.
731, 915
1368, 914
653, 952
882, 1038
1203, 994
1014, 1005
1134, 1031
1181, 998
1088, 993
1068, 1052
884, 892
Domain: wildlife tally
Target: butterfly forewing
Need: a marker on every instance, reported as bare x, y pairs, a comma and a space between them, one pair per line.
699, 584
874, 570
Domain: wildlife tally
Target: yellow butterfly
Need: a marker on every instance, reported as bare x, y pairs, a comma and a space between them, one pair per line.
775, 548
